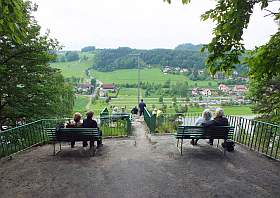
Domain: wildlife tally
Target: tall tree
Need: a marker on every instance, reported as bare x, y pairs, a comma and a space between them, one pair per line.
29, 87
226, 47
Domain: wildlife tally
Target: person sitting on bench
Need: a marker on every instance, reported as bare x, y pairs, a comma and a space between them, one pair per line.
206, 116
219, 120
90, 123
75, 123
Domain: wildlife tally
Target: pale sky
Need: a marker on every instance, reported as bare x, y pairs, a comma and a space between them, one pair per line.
142, 24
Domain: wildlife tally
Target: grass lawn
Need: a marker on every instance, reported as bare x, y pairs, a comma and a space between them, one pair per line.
75, 68
153, 75
80, 104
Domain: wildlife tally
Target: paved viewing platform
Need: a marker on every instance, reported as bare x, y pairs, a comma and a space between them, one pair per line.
139, 167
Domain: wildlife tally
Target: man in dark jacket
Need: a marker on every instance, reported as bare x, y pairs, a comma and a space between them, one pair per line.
219, 120
90, 123
142, 105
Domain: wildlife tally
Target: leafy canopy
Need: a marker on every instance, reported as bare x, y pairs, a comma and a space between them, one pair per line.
29, 87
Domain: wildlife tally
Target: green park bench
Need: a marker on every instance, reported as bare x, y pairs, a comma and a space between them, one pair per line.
199, 132
73, 134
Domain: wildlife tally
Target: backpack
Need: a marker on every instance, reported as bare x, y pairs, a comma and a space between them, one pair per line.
229, 145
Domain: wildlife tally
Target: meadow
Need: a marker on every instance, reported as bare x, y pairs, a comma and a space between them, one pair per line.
75, 68
153, 75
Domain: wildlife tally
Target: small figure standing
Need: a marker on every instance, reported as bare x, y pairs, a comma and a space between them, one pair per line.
142, 105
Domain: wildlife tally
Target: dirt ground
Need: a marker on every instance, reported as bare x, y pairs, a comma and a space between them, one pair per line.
139, 167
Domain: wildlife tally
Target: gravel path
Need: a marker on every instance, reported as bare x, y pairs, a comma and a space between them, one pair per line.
139, 167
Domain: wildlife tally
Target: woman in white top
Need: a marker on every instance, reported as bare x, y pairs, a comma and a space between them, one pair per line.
206, 116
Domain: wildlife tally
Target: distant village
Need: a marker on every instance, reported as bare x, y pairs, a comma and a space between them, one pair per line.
222, 94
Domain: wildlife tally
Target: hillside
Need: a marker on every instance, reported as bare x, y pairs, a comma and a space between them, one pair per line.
75, 68
153, 75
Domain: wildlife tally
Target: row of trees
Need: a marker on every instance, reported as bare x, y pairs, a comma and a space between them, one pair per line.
29, 87
112, 59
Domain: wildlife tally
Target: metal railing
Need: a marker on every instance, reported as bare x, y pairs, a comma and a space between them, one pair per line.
25, 136
259, 136
150, 120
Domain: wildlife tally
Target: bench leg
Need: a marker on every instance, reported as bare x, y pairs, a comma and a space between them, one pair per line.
91, 147
218, 143
182, 146
54, 149
59, 146
177, 142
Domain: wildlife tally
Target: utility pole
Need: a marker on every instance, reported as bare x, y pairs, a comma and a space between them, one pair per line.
138, 86
138, 79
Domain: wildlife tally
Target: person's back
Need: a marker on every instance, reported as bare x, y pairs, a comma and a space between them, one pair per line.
219, 120
134, 110
75, 123
142, 105
206, 116
90, 123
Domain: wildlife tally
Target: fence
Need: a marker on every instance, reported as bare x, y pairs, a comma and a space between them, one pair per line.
258, 136
28, 135
150, 120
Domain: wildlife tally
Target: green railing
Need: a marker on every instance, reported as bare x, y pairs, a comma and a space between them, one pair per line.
25, 136
115, 126
28, 135
150, 120
259, 136
168, 123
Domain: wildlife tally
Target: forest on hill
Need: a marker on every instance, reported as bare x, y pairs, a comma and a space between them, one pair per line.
106, 60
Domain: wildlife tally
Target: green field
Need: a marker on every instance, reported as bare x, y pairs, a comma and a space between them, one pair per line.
75, 68
153, 75
80, 104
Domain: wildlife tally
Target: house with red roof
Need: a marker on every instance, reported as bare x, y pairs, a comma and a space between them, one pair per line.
223, 88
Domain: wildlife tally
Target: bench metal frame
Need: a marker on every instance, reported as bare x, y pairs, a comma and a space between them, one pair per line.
199, 132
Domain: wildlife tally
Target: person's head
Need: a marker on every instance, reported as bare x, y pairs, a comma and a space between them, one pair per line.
141, 100
115, 109
219, 112
77, 117
90, 114
206, 114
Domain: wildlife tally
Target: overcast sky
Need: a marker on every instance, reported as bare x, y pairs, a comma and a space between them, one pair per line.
143, 24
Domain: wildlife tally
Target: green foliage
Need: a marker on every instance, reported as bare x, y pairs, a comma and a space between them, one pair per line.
265, 78
93, 82
72, 56
28, 86
160, 99
14, 19
88, 49
112, 59
189, 46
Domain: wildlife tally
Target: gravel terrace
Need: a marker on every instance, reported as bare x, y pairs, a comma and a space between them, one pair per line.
139, 167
